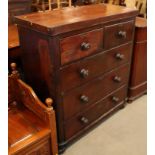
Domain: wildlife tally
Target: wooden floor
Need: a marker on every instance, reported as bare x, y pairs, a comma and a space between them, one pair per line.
122, 134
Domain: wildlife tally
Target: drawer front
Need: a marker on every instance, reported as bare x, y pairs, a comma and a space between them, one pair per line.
80, 72
42, 147
118, 34
85, 118
81, 97
81, 45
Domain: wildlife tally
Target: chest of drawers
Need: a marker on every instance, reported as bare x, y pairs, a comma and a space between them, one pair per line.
81, 58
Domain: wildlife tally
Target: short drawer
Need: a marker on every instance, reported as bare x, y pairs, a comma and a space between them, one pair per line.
81, 45
118, 34
81, 97
82, 71
95, 112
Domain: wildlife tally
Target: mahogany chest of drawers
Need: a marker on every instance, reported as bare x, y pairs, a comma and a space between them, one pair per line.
138, 76
81, 58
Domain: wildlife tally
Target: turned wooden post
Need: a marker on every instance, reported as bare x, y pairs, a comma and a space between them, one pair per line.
14, 71
52, 125
49, 103
49, 3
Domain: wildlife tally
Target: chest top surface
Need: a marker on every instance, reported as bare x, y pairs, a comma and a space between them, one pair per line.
54, 22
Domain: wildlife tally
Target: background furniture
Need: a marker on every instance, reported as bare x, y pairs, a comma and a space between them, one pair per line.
43, 5
119, 2
81, 58
138, 76
141, 5
18, 7
31, 124
14, 51
15, 7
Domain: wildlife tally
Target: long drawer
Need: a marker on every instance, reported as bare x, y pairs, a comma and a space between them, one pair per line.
118, 34
81, 45
81, 97
93, 113
80, 72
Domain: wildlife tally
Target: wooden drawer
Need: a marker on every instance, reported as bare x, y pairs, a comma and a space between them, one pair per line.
81, 97
80, 72
84, 119
81, 45
118, 34
42, 147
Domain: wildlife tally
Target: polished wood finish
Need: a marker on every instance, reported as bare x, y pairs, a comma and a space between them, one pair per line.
14, 51
81, 45
106, 60
13, 39
31, 125
70, 19
119, 34
82, 55
94, 91
138, 77
97, 111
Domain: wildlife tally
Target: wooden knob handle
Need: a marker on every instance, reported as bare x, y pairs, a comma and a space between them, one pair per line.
84, 120
85, 46
119, 56
84, 73
14, 71
49, 102
117, 79
84, 98
122, 34
115, 99
13, 66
